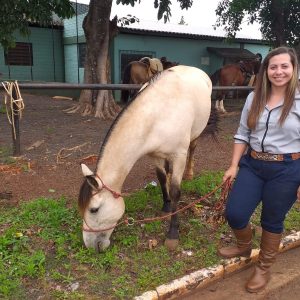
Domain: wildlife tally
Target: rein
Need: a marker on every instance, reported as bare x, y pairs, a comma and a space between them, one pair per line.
104, 186
225, 187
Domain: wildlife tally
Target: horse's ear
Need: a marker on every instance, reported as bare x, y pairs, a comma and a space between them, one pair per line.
86, 171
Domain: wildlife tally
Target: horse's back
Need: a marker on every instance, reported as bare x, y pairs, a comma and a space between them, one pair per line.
177, 103
231, 75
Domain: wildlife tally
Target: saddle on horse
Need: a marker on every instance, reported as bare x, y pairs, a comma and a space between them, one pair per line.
248, 72
154, 65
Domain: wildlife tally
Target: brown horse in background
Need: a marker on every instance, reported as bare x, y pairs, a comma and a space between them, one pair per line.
238, 74
139, 72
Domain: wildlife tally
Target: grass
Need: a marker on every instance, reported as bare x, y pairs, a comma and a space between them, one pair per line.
5, 155
41, 246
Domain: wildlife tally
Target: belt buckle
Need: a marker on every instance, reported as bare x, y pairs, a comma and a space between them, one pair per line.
267, 156
274, 157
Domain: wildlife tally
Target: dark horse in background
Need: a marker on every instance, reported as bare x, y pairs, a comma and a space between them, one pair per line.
237, 74
139, 72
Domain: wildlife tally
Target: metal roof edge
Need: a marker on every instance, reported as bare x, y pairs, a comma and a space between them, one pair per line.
185, 35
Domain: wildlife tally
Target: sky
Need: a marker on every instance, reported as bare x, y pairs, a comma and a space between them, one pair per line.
201, 14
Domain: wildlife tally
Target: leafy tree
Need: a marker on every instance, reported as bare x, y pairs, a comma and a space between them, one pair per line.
279, 19
17, 14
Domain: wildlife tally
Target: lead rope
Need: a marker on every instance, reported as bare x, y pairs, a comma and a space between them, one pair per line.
13, 106
219, 206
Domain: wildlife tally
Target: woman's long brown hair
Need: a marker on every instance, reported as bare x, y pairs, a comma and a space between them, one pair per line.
262, 89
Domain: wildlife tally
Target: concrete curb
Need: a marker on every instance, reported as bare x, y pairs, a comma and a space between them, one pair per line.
203, 277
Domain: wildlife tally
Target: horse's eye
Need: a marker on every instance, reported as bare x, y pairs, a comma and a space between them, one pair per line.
94, 210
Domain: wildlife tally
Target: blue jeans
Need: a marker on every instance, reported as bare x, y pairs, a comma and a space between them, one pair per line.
274, 184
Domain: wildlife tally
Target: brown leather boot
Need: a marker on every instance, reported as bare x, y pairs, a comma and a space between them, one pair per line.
243, 244
269, 248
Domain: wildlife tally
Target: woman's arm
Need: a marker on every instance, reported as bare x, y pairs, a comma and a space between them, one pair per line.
238, 150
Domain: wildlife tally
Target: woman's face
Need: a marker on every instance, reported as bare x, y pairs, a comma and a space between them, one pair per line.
280, 70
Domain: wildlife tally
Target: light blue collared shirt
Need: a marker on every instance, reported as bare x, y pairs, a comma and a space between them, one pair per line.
268, 135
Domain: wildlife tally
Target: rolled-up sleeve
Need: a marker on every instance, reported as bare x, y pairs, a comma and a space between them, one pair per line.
243, 133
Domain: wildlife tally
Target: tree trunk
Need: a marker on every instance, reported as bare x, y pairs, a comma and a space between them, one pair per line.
98, 28
277, 24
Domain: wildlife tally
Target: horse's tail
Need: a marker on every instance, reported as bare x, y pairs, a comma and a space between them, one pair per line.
215, 77
212, 127
126, 80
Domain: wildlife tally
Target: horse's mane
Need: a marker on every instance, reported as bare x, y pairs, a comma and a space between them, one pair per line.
115, 122
85, 193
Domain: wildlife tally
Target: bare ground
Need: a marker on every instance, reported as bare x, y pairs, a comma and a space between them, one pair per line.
53, 143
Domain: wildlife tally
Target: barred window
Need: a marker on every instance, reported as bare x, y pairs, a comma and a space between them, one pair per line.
81, 54
21, 55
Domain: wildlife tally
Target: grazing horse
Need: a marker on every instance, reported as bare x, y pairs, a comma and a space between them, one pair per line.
163, 121
139, 72
237, 74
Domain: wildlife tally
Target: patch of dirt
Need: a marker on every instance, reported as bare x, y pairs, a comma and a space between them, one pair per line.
53, 143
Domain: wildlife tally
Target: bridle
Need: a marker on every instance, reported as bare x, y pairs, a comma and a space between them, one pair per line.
98, 190
104, 186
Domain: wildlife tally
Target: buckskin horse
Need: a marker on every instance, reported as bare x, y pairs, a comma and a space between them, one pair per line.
163, 121
237, 74
139, 72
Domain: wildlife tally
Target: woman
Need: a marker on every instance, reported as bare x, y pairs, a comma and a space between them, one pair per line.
266, 162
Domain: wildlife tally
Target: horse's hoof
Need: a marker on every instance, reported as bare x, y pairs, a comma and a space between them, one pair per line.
171, 244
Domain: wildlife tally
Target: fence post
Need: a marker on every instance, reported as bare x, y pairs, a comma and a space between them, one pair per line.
15, 126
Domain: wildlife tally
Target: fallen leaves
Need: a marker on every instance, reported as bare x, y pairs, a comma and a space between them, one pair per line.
16, 167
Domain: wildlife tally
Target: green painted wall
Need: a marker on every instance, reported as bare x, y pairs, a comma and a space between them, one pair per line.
262, 49
48, 58
186, 51
191, 52
72, 27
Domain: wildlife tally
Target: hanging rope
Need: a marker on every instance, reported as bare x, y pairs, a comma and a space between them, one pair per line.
13, 106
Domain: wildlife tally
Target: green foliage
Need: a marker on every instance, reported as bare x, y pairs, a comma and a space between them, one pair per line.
279, 19
163, 6
41, 245
17, 14
203, 184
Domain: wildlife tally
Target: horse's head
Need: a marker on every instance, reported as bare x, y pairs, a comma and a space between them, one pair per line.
101, 208
257, 62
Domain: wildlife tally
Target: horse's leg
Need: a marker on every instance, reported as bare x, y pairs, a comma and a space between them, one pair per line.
217, 104
221, 105
163, 173
189, 169
177, 172
219, 97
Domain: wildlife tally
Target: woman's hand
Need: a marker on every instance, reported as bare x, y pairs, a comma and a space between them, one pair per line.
230, 175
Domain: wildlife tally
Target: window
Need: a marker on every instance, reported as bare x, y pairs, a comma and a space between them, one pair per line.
81, 55
127, 56
21, 55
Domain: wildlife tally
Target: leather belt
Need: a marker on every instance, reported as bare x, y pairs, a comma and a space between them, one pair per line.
273, 157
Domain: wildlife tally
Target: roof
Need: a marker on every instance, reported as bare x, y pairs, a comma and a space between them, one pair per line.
169, 29
81, 8
232, 52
